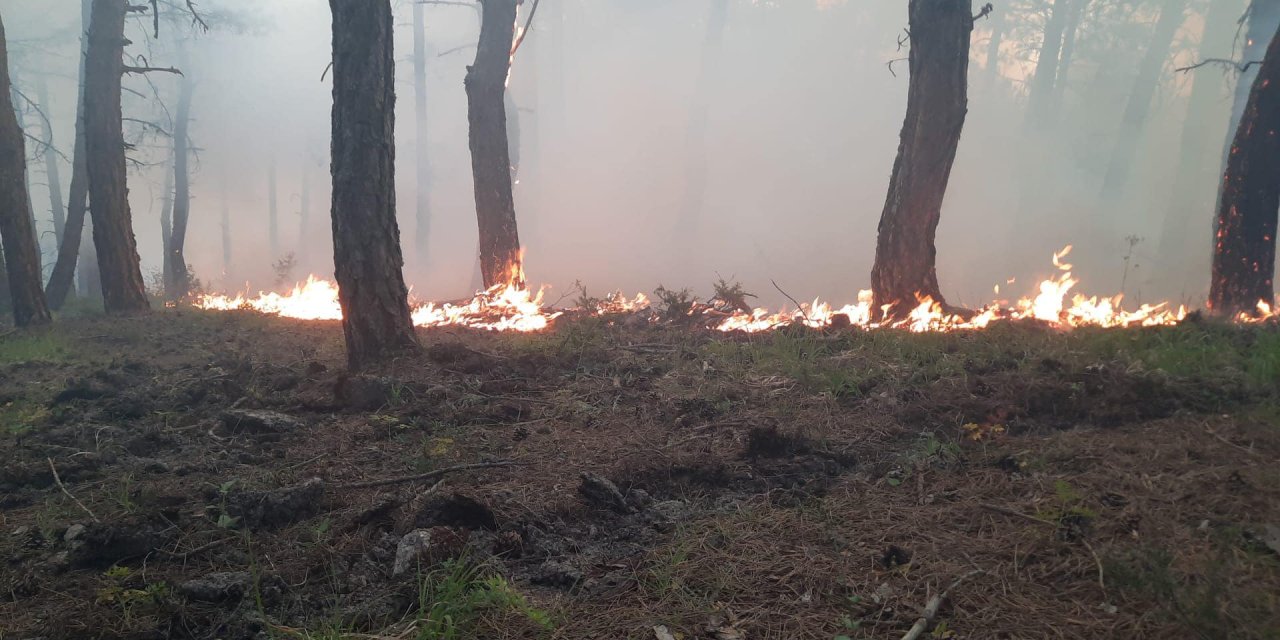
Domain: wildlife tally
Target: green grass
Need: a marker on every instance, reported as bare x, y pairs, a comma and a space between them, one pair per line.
39, 345
454, 598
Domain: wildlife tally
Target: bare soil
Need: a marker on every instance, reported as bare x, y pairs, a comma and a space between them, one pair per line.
220, 475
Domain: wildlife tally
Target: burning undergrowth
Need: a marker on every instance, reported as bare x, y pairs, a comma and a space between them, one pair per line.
224, 476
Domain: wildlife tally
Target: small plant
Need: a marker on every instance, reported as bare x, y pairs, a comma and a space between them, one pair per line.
848, 624
122, 494
585, 301
676, 305
283, 269
452, 599
225, 520
731, 296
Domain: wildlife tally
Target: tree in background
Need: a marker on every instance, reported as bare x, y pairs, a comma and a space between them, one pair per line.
422, 168
64, 269
1244, 254
21, 256
937, 102
366, 239
177, 282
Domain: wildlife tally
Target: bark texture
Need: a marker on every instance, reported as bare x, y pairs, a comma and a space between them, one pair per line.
123, 290
178, 284
1263, 18
366, 240
1244, 255
500, 261
21, 255
64, 268
937, 103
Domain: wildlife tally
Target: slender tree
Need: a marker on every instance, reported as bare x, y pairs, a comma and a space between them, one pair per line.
53, 173
21, 255
166, 222
1244, 252
273, 213
991, 68
64, 269
366, 238
937, 102
123, 290
422, 167
1067, 56
17, 99
486, 83
178, 284
696, 169
1043, 82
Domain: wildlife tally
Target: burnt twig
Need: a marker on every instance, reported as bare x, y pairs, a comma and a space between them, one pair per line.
931, 610
431, 475
63, 487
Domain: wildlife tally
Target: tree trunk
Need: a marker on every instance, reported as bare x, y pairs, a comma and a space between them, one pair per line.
1040, 101
226, 230
304, 212
16, 100
500, 260
1263, 17
1069, 34
1181, 234
1139, 105
64, 269
937, 102
695, 187
999, 18
273, 213
53, 173
366, 239
179, 284
21, 255
1244, 255
166, 224
123, 290
422, 167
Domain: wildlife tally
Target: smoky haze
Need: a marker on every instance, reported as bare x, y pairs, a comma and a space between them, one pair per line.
803, 114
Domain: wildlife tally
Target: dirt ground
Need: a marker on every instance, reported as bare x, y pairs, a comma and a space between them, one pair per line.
219, 475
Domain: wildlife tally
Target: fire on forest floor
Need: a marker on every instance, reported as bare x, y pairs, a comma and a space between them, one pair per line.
507, 308
218, 476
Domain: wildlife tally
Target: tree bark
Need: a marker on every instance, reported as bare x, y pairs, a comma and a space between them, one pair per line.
695, 187
1263, 19
500, 259
937, 102
422, 167
64, 269
179, 283
16, 100
53, 173
1139, 105
21, 255
123, 290
1244, 255
366, 238
1040, 101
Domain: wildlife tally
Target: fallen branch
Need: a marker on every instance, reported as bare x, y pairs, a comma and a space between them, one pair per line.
58, 481
1017, 514
931, 610
431, 475
198, 550
130, 69
793, 300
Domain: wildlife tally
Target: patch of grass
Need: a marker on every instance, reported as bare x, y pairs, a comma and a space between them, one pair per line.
39, 346
22, 417
453, 600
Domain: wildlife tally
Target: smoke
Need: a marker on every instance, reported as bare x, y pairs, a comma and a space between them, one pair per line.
803, 113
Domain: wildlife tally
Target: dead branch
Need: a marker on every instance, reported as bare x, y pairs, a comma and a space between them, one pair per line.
195, 16
448, 3
130, 69
1223, 62
196, 551
63, 487
890, 65
1016, 514
148, 124
524, 32
984, 12
326, 71
431, 475
793, 300
931, 610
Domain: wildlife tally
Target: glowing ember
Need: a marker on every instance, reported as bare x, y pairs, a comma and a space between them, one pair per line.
511, 308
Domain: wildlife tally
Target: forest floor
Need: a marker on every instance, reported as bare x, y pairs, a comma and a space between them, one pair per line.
218, 475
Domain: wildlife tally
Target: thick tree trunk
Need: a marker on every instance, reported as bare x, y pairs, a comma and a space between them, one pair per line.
53, 173
422, 167
17, 100
273, 213
1244, 255
1181, 234
64, 269
500, 260
123, 290
1139, 105
21, 255
1263, 19
696, 169
1040, 101
179, 285
937, 102
366, 239
166, 223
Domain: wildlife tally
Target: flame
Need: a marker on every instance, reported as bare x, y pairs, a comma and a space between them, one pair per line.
511, 307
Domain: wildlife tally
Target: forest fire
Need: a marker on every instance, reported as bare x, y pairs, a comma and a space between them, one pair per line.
510, 308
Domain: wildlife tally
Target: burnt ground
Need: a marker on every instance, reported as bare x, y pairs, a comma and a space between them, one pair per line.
221, 476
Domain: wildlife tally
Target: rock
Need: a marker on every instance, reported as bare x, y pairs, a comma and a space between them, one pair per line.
557, 574
102, 545
412, 547
253, 422
217, 587
73, 532
364, 393
277, 507
457, 510
599, 491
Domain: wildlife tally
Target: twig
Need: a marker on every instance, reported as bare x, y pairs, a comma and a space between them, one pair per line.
198, 550
1227, 442
130, 69
931, 610
799, 307
524, 32
427, 476
1238, 66
1016, 514
1102, 584
58, 480
984, 11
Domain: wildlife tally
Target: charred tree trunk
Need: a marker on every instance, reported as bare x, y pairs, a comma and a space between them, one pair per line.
1181, 234
1263, 17
273, 213
53, 173
1139, 105
179, 283
64, 269
937, 102
1244, 255
500, 260
1043, 92
123, 290
166, 222
21, 255
17, 100
422, 167
366, 239
695, 188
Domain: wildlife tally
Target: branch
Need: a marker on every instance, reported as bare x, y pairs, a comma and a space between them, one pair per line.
47, 146
984, 11
1230, 64
447, 3
431, 475
931, 610
58, 480
147, 123
455, 50
195, 16
524, 32
129, 69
